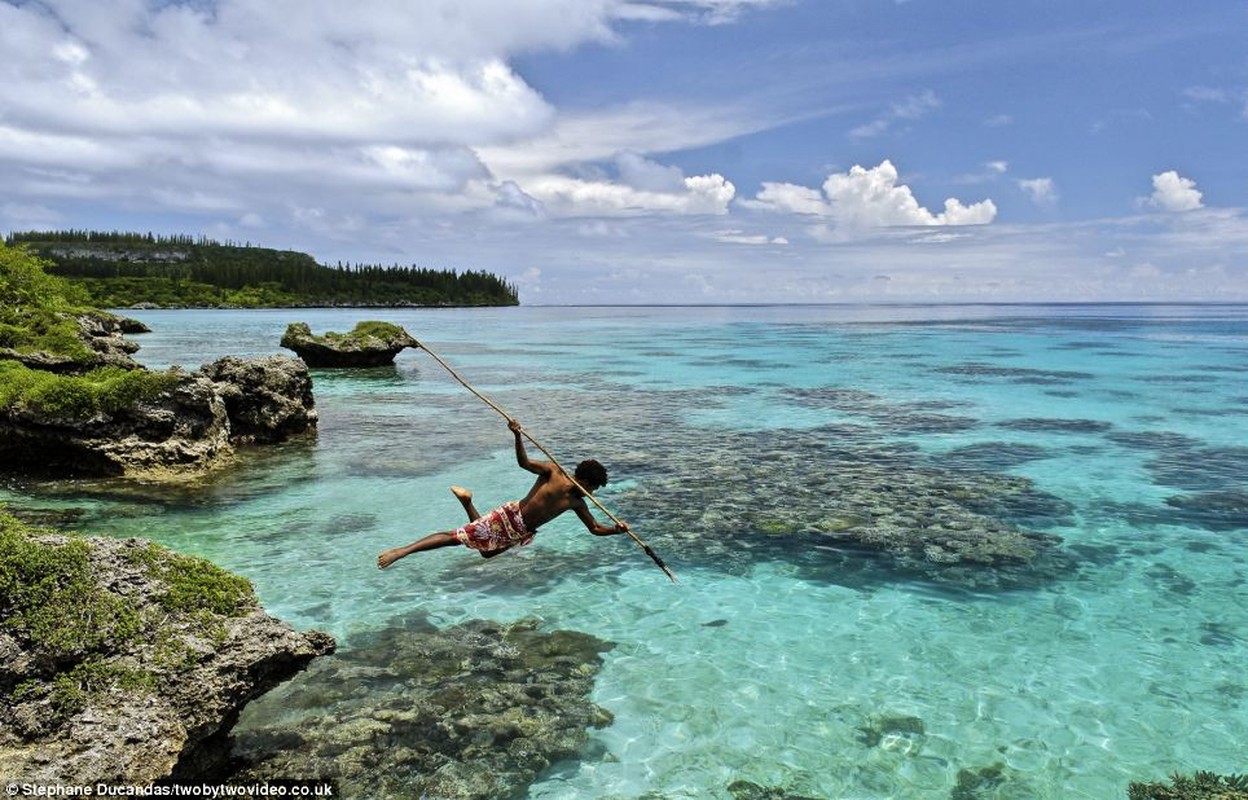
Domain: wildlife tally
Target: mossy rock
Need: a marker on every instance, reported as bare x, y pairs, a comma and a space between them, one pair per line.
370, 344
121, 660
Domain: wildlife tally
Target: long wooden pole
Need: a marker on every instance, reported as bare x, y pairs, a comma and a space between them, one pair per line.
645, 547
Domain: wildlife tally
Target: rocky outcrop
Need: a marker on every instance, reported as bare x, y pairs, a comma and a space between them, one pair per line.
477, 710
369, 344
128, 663
189, 428
100, 334
184, 429
266, 399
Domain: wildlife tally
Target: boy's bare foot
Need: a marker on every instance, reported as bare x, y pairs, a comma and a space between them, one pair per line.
463, 494
389, 557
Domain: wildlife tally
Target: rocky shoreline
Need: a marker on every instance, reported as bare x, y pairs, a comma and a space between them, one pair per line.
122, 661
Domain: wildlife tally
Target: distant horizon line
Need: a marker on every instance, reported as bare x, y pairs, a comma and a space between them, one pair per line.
781, 304
778, 304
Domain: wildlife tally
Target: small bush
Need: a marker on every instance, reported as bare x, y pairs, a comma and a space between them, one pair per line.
27, 330
71, 690
194, 584
381, 330
62, 397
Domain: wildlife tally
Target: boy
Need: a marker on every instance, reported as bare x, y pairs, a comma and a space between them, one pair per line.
516, 522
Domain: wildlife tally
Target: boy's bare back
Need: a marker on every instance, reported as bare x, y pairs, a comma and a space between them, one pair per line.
551, 495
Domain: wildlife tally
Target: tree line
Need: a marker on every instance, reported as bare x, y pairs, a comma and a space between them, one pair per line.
121, 269
110, 237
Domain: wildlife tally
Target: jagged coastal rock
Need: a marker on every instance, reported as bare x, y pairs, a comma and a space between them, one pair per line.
369, 344
266, 399
78, 404
190, 424
183, 428
122, 662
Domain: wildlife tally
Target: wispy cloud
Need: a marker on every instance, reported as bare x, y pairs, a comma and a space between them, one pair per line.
910, 108
991, 171
1041, 191
712, 12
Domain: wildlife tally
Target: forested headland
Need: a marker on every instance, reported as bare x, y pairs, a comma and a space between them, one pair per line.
122, 270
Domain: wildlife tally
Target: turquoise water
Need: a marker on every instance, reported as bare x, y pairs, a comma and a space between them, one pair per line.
732, 435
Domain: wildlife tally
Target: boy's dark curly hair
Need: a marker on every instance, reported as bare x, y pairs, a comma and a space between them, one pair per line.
589, 472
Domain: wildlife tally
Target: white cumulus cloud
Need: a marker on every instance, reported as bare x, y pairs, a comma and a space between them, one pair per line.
1171, 192
868, 198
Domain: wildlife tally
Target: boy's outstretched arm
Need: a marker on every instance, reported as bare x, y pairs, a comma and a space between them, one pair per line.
597, 529
522, 455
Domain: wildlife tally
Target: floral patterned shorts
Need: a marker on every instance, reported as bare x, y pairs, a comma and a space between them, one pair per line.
496, 531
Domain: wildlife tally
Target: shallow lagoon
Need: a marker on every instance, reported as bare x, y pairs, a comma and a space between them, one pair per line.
738, 438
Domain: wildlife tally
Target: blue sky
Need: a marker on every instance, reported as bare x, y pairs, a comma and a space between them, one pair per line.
634, 151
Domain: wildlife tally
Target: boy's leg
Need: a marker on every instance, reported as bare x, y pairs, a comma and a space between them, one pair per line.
465, 499
431, 542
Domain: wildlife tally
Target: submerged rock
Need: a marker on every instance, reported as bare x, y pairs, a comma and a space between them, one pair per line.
746, 790
122, 662
883, 727
1216, 510
369, 344
473, 711
821, 501
986, 783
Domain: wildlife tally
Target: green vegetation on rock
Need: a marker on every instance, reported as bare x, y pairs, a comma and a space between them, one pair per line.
368, 328
73, 397
88, 638
194, 584
49, 598
124, 269
1200, 786
25, 283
